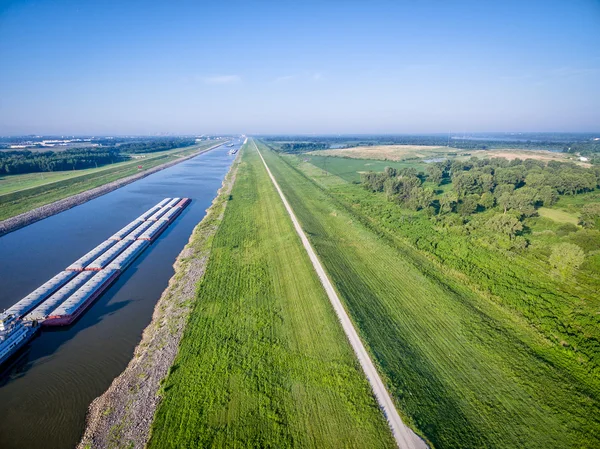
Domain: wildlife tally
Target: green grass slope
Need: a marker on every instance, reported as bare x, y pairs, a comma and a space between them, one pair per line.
463, 369
264, 362
26, 192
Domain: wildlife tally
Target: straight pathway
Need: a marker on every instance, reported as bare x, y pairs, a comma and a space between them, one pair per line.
405, 437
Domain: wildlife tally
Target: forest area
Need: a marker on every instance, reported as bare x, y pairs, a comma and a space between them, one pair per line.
21, 162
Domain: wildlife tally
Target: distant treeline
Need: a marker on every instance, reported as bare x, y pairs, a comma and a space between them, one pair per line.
20, 162
585, 146
484, 183
154, 145
303, 147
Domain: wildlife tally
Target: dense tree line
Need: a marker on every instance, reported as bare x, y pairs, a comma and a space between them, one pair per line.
510, 190
19, 162
303, 147
518, 186
151, 146
568, 143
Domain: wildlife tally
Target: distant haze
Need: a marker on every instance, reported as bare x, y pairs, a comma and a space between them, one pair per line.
133, 67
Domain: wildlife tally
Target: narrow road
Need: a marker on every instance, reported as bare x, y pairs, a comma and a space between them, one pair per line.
405, 437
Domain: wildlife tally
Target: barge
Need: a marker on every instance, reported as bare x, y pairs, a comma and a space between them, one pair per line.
84, 261
41, 312
40, 294
63, 298
79, 301
129, 255
104, 259
120, 235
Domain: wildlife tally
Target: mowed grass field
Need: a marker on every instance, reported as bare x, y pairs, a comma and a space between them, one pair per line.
463, 370
264, 361
21, 193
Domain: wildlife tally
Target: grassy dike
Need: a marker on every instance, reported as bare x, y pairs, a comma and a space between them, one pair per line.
263, 361
122, 416
463, 370
37, 192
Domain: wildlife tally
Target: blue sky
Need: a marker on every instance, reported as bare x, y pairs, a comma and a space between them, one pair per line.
143, 67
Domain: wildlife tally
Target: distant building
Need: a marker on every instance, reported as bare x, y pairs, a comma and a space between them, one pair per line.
583, 159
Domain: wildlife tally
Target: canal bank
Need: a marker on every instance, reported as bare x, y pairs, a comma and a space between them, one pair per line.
45, 395
123, 415
39, 213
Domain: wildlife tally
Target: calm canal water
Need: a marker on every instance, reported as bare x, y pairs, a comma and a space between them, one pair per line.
44, 395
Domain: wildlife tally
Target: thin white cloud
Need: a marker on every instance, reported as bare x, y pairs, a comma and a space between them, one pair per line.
284, 78
221, 79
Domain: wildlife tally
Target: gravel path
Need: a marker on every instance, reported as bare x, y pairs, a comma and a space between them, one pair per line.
47, 210
405, 437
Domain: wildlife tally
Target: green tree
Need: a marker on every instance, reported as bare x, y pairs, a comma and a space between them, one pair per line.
536, 180
447, 202
508, 225
547, 195
566, 258
434, 174
590, 215
468, 204
487, 200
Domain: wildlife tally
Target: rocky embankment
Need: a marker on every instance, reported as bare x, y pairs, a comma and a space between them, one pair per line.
123, 415
39, 213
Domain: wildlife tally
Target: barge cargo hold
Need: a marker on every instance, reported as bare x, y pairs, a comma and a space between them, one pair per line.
120, 235
40, 294
104, 259
159, 213
163, 202
14, 334
133, 235
173, 202
41, 312
129, 255
154, 231
171, 214
84, 261
148, 213
70, 310
183, 203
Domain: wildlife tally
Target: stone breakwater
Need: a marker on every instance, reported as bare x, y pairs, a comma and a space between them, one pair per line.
39, 213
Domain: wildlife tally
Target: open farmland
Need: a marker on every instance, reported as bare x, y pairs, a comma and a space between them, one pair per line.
420, 153
264, 361
466, 367
21, 193
387, 152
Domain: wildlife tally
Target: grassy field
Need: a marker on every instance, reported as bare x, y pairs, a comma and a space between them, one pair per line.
407, 153
350, 169
558, 215
465, 368
264, 361
20, 193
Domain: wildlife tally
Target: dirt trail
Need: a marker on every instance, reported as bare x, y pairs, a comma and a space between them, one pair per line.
123, 415
47, 210
404, 436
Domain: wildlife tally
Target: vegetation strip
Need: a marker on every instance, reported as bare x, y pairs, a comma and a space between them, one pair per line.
463, 364
264, 361
402, 434
47, 210
122, 416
